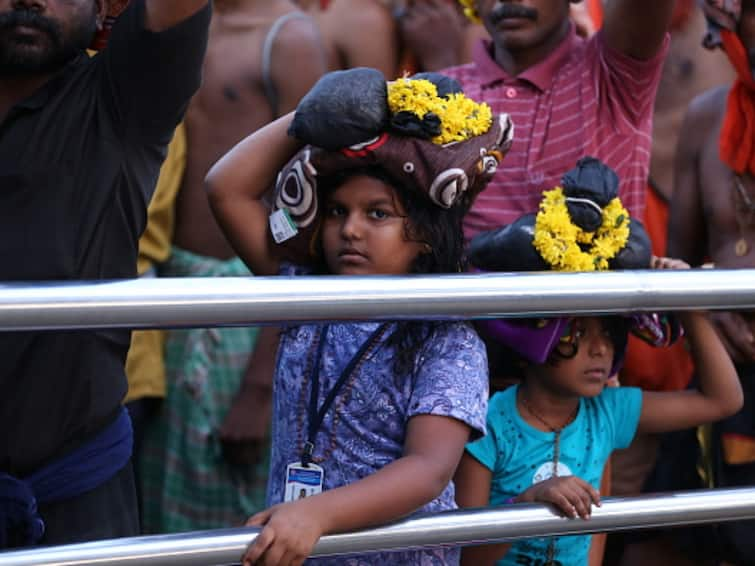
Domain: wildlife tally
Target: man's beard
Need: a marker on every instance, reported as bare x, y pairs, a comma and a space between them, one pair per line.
45, 52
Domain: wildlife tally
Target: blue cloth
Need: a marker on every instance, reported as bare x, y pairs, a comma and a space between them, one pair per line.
520, 456
80, 471
366, 426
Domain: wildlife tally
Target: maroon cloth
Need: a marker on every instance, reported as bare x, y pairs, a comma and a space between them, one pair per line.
447, 176
584, 99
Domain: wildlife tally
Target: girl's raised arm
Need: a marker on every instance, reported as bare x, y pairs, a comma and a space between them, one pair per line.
236, 184
720, 392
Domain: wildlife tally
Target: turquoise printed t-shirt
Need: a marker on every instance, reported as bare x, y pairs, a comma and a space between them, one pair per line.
519, 456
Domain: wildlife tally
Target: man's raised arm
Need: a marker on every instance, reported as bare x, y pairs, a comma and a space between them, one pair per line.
164, 14
637, 27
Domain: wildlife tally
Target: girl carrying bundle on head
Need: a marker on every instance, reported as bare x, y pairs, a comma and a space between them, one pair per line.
370, 419
548, 438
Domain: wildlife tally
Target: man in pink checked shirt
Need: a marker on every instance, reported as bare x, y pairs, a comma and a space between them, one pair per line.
569, 97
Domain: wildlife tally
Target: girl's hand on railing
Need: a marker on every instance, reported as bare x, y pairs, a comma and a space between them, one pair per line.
290, 532
668, 263
572, 495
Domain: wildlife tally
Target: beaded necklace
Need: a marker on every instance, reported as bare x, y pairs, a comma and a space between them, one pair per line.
551, 552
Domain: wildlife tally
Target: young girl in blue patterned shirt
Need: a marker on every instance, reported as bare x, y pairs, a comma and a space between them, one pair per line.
370, 419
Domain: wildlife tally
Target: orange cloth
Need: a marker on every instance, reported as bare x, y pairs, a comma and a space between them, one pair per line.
656, 369
595, 9
737, 144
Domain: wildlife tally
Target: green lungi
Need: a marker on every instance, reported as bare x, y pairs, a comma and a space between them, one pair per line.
186, 482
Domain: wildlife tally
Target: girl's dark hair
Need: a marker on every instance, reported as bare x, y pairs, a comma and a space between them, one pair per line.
427, 223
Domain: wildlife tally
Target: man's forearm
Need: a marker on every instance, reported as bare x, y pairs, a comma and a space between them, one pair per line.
164, 14
637, 27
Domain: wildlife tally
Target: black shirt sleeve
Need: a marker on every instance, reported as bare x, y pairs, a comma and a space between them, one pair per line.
150, 77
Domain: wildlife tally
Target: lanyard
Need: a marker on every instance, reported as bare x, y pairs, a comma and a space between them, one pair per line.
317, 416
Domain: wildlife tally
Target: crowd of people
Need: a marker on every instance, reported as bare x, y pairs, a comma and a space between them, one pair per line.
289, 138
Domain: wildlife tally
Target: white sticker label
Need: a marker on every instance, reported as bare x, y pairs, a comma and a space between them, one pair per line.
281, 226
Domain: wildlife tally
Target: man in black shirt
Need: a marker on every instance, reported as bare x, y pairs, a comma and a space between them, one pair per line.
81, 143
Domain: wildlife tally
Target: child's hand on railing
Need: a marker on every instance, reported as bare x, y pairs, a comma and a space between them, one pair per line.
572, 495
668, 263
290, 532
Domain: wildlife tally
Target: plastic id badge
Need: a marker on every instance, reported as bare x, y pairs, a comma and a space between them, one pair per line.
302, 482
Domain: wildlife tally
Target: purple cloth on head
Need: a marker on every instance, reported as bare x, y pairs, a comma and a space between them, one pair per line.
533, 343
535, 340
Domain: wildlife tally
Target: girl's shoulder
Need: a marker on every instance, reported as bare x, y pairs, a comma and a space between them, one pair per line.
459, 333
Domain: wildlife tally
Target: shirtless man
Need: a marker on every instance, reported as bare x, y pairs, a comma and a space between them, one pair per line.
233, 101
713, 219
357, 33
262, 57
713, 206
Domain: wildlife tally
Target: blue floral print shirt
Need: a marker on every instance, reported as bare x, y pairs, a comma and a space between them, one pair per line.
365, 427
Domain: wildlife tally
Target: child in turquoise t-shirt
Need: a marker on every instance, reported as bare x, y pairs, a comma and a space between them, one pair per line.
550, 436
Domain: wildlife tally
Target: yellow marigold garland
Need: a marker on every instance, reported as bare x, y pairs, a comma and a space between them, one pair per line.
461, 118
557, 238
470, 11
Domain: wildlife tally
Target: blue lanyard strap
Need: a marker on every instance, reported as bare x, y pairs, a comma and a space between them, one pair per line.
317, 416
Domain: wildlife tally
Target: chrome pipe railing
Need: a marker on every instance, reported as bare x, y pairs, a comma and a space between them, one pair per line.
154, 303
452, 528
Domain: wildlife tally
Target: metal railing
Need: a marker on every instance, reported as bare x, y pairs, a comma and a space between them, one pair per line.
450, 528
242, 301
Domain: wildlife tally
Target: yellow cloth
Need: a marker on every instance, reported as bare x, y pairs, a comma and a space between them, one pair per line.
145, 366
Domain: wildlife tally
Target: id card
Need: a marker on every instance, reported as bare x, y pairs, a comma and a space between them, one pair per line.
281, 226
302, 481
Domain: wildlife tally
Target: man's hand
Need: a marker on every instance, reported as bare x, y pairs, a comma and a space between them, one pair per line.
433, 30
572, 495
244, 430
245, 427
290, 533
637, 28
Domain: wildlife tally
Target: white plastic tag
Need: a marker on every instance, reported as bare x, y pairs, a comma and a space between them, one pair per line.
281, 226
302, 481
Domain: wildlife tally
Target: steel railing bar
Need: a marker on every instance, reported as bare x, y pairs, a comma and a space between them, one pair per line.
192, 302
452, 528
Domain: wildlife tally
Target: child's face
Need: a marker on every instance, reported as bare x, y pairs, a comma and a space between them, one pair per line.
364, 230
584, 374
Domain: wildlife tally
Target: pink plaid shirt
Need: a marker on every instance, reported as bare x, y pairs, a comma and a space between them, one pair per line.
585, 99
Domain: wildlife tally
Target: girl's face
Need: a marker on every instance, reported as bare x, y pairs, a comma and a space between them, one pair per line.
364, 230
584, 374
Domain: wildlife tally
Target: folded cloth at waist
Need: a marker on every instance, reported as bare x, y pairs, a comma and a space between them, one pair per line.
80, 471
